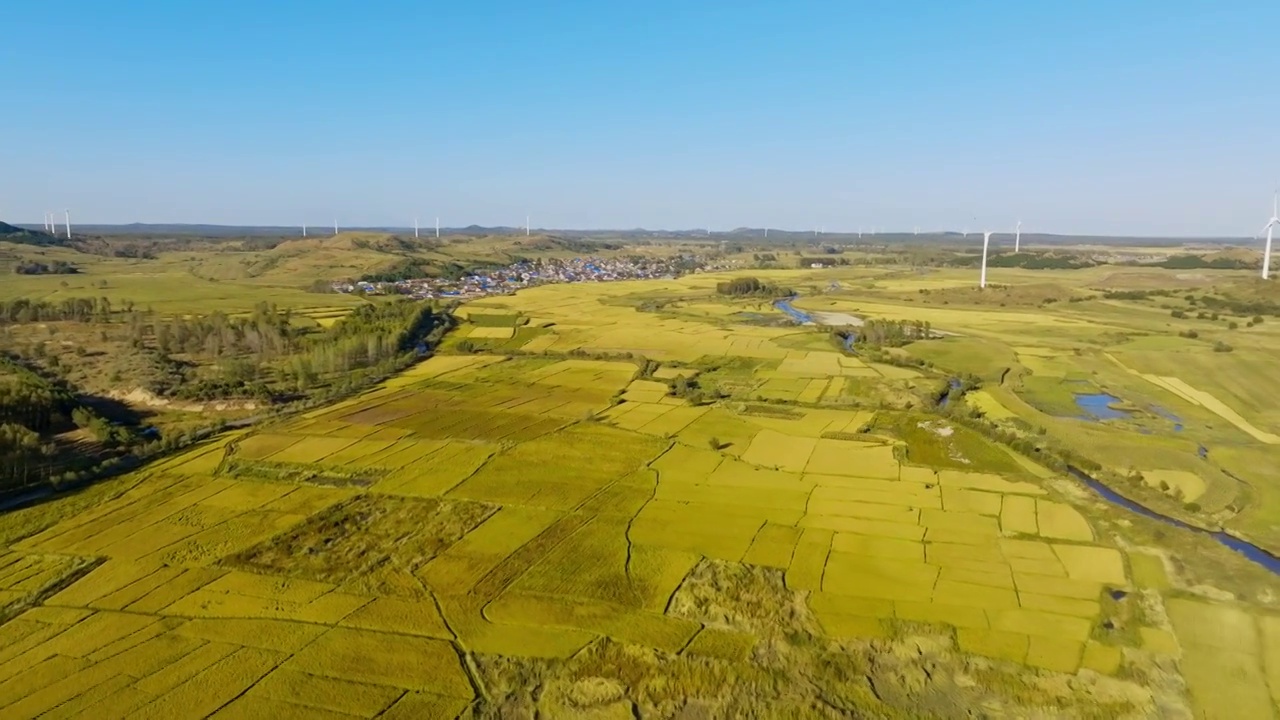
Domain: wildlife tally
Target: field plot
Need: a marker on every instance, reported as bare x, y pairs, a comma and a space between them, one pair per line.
569, 520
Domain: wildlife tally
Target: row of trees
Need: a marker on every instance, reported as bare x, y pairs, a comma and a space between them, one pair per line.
83, 309
56, 267
748, 286
892, 333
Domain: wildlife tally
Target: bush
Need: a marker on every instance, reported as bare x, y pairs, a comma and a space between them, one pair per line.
714, 443
1177, 314
1233, 325
1222, 347
1191, 507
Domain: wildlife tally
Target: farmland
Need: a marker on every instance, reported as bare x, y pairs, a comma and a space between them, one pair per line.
641, 498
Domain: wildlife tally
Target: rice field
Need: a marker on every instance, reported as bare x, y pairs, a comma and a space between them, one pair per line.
366, 558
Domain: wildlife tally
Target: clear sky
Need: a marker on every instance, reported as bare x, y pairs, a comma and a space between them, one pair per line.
1128, 117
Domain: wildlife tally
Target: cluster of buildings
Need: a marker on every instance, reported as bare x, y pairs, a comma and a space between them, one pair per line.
508, 279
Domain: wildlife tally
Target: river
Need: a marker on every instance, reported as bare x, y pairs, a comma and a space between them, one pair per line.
1248, 549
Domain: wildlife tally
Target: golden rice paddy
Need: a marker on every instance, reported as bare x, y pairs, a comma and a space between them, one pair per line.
355, 560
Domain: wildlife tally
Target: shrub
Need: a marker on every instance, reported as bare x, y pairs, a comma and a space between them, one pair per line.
714, 443
1233, 325
1177, 314
1222, 347
1191, 507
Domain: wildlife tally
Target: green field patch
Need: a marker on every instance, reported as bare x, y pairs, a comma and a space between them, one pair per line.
1088, 609
751, 497
672, 422
853, 458
860, 526
708, 530
720, 643
775, 450
310, 450
412, 663
591, 563
987, 482
731, 433
1059, 587
809, 560
954, 592
1148, 571
903, 494
997, 644
773, 546
259, 447
987, 578
865, 510
1018, 515
877, 547
560, 470
940, 613
683, 463
1054, 654
938, 443
460, 566
438, 472
1062, 522
957, 536
661, 632
967, 522
970, 501
1040, 623
1096, 564
886, 578
1105, 659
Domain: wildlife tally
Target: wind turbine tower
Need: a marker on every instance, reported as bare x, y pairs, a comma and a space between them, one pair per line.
304, 229
986, 241
437, 227
68, 216
1271, 225
415, 228
1017, 237
526, 226
335, 227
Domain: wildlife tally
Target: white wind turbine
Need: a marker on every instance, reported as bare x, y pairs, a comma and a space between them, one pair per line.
986, 242
1270, 227
68, 216
1017, 237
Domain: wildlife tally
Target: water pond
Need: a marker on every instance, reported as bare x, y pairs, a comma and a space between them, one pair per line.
1098, 406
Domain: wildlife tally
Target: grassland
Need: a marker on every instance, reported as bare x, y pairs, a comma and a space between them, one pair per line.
550, 527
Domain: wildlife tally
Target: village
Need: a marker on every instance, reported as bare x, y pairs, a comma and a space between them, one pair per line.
542, 271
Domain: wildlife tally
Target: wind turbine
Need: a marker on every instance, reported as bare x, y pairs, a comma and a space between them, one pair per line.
986, 241
304, 229
437, 227
415, 228
526, 226
335, 227
68, 216
1017, 237
1271, 224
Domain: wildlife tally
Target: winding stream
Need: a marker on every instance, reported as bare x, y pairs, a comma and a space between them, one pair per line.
1248, 549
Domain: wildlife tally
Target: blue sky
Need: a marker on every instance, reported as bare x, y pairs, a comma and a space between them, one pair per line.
1099, 117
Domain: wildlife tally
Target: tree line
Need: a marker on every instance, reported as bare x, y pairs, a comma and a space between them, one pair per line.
751, 286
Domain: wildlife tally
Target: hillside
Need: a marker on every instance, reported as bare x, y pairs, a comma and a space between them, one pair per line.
15, 234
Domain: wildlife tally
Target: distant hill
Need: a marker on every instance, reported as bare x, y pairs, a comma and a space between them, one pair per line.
24, 236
